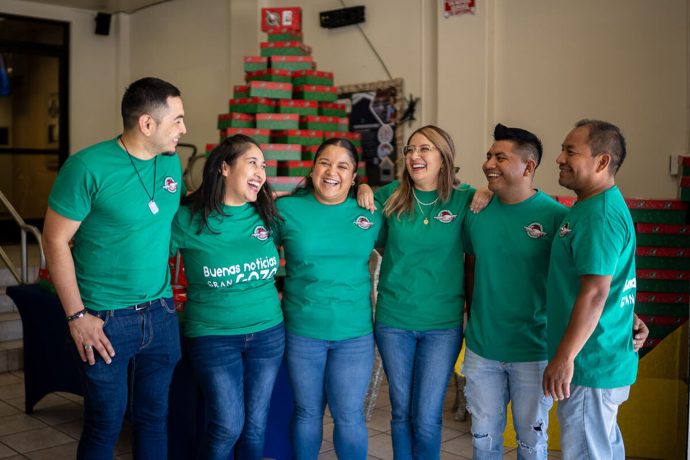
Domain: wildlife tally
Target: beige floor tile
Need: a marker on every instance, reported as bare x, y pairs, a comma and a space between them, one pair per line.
65, 451
462, 445
381, 446
55, 415
6, 409
447, 434
70, 396
127, 456
6, 452
380, 420
18, 423
8, 378
72, 428
124, 443
555, 454
510, 454
13, 390
373, 432
29, 441
49, 400
328, 455
326, 446
328, 431
450, 422
449, 456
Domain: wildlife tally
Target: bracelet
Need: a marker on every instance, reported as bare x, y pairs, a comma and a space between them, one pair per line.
77, 315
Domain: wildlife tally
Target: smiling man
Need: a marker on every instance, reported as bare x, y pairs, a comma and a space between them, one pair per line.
590, 296
117, 199
506, 333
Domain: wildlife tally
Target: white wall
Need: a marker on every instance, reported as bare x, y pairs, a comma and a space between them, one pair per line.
94, 95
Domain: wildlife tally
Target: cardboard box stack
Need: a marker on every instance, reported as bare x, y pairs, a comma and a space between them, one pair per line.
286, 104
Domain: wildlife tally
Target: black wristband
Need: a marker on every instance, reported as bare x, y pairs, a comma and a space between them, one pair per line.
77, 315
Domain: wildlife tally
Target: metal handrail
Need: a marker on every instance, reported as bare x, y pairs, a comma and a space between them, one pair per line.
24, 228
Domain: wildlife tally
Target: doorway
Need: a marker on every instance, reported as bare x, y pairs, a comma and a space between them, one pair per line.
34, 134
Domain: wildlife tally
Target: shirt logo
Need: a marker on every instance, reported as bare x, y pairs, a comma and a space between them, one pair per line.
363, 223
535, 230
260, 233
564, 230
170, 185
445, 216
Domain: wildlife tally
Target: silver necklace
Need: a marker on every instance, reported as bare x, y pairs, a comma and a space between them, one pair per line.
421, 203
153, 207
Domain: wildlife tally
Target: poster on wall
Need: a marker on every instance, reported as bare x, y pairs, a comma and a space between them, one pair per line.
373, 110
457, 7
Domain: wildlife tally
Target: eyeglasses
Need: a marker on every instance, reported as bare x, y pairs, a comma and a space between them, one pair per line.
422, 149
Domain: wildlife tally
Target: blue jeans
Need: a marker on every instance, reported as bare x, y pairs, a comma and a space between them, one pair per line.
490, 385
147, 348
588, 423
338, 372
236, 374
418, 365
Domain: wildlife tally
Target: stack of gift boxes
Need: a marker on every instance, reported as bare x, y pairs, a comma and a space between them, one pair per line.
286, 105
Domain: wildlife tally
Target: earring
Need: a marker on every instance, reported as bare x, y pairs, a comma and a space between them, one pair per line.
353, 182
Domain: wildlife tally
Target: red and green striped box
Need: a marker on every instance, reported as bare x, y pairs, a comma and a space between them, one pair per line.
662, 303
240, 91
281, 151
663, 235
309, 152
294, 168
663, 281
252, 105
332, 109
319, 122
270, 89
355, 138
684, 191
276, 75
657, 211
235, 120
285, 49
312, 77
284, 184
568, 201
292, 62
298, 136
271, 167
362, 169
254, 63
284, 34
317, 93
277, 120
259, 135
298, 106
662, 258
685, 166
209, 148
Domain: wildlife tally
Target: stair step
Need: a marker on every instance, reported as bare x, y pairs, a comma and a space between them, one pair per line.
11, 355
7, 279
10, 326
6, 304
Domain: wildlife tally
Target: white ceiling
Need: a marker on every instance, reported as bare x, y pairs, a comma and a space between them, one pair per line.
105, 6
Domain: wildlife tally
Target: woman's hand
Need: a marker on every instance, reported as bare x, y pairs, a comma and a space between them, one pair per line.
365, 198
481, 199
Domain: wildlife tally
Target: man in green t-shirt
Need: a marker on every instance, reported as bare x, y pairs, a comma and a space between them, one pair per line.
116, 200
591, 296
506, 332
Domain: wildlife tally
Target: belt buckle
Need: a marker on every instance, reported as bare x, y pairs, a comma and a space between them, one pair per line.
141, 306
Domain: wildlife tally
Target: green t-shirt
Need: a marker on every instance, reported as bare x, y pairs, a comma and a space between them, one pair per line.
327, 287
121, 248
512, 245
422, 278
597, 237
230, 274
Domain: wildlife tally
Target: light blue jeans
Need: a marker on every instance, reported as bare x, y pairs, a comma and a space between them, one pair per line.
489, 386
418, 365
588, 423
337, 371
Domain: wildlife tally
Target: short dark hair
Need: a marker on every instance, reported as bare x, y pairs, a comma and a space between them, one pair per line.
209, 197
605, 137
145, 96
307, 184
524, 139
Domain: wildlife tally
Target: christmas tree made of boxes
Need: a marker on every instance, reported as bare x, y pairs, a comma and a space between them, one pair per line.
286, 105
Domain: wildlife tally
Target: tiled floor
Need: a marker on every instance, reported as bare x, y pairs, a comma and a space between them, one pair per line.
53, 429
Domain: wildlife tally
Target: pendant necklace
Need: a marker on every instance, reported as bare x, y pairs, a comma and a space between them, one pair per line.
153, 207
420, 204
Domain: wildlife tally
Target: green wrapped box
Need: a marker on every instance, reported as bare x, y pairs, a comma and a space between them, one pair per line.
294, 168
319, 122
259, 135
284, 34
662, 258
252, 105
281, 151
277, 75
664, 235
355, 138
362, 169
285, 49
254, 63
209, 148
271, 167
663, 281
240, 91
316, 93
284, 184
332, 109
312, 77
298, 106
277, 120
662, 304
657, 211
684, 191
297, 136
270, 89
292, 62
309, 152
235, 120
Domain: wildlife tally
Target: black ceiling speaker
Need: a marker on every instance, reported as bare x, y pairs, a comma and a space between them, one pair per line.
342, 17
103, 24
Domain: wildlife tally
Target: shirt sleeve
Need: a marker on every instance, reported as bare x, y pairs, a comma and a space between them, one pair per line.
73, 191
597, 244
